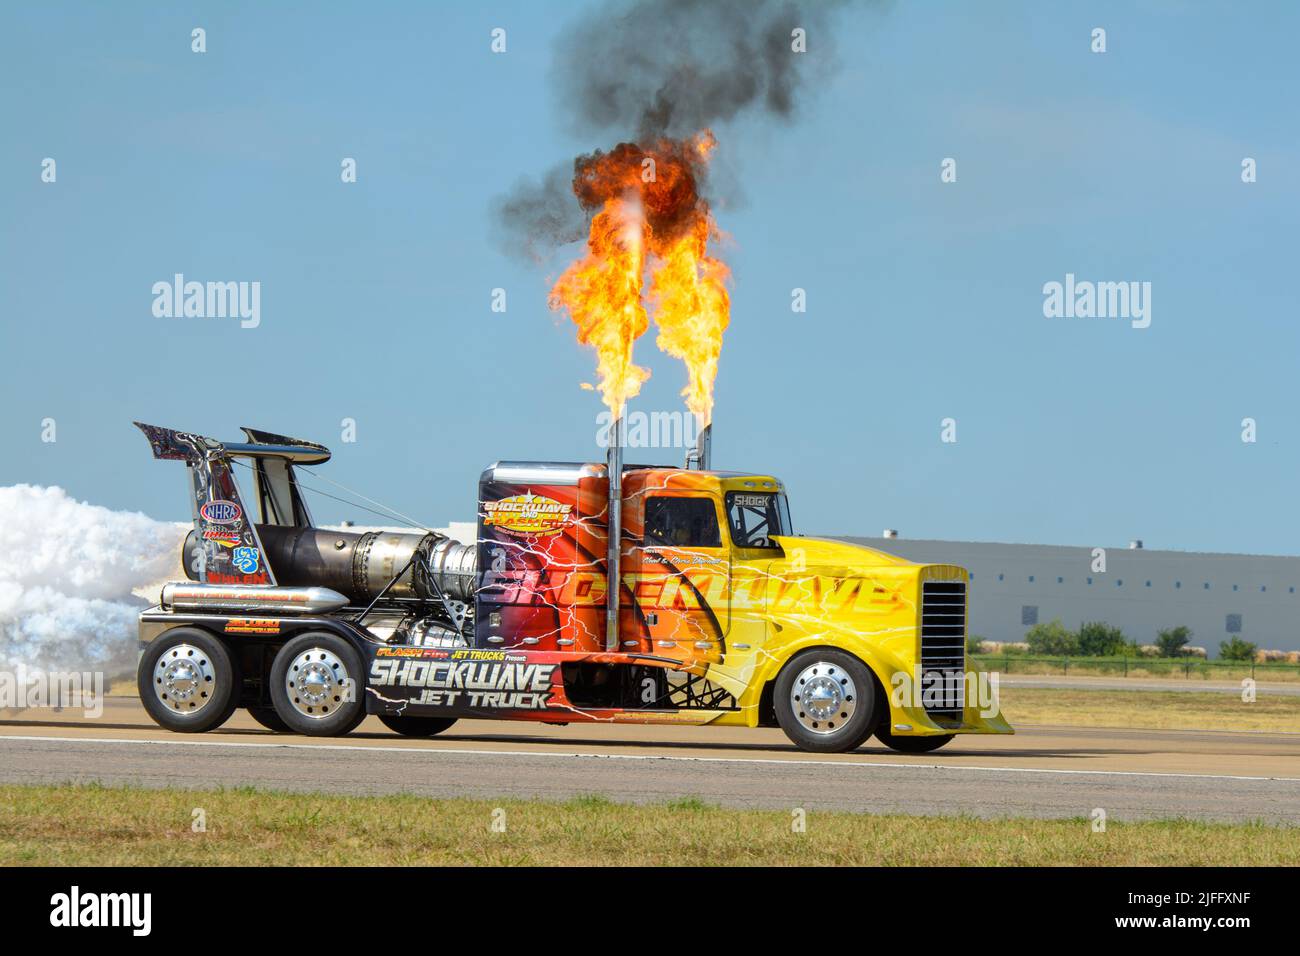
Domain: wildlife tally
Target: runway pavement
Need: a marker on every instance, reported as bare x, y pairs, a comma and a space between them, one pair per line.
1167, 685
1041, 771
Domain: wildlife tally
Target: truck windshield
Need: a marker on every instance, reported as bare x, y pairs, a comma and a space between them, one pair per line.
756, 516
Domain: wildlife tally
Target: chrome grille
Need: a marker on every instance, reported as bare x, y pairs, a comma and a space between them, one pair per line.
943, 648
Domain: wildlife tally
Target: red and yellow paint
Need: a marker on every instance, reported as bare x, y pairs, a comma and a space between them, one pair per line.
732, 614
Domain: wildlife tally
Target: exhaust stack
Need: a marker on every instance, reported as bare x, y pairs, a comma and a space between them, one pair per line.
613, 576
180, 596
700, 458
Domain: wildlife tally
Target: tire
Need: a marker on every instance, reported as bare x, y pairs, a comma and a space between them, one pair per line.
826, 701
416, 726
188, 681
318, 706
268, 718
912, 745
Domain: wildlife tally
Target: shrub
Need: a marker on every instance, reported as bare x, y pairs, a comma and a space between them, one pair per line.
1171, 640
1097, 639
974, 644
1237, 650
1052, 638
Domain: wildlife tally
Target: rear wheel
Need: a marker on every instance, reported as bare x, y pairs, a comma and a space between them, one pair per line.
188, 680
316, 685
912, 745
268, 718
416, 726
826, 701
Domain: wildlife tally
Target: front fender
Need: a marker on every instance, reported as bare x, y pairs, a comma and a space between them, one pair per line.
889, 655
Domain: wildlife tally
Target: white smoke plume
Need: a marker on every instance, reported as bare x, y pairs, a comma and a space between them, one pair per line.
67, 573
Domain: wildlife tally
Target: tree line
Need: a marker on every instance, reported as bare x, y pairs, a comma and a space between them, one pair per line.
1098, 639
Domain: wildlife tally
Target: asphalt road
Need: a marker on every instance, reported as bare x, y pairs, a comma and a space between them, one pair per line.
1040, 772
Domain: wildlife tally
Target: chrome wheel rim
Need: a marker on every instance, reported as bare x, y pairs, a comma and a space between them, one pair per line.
824, 697
316, 683
184, 679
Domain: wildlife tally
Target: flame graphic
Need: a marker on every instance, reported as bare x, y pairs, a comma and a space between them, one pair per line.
648, 215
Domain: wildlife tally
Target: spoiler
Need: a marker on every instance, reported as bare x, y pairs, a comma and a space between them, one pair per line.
226, 547
172, 445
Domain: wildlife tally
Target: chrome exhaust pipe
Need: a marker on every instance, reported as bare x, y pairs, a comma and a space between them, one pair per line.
700, 458
613, 558
184, 596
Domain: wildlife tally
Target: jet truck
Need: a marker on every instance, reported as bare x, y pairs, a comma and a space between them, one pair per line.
717, 612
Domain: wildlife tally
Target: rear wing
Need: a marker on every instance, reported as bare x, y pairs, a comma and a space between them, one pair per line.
275, 483
227, 548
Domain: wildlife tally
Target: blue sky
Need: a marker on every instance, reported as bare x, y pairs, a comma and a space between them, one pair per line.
924, 299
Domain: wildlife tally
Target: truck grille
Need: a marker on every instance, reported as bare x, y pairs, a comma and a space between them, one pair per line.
943, 648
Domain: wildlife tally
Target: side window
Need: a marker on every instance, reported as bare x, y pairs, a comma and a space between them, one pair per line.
682, 522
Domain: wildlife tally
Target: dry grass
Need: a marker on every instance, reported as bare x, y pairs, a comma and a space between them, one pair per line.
93, 825
1193, 710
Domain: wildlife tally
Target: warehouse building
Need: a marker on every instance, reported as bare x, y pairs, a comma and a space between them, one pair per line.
1140, 591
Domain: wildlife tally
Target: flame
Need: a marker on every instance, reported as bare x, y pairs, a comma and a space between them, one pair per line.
692, 310
602, 293
648, 215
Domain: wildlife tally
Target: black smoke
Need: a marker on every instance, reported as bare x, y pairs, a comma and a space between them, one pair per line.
673, 67
651, 69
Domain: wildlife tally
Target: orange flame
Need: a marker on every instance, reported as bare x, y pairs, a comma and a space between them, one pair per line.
692, 310
648, 212
602, 292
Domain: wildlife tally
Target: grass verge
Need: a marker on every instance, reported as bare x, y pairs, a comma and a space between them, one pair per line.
1152, 709
81, 825
1146, 668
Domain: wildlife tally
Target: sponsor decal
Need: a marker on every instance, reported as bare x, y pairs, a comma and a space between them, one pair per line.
523, 515
425, 653
472, 654
246, 560
249, 625
215, 578
221, 512
491, 685
223, 536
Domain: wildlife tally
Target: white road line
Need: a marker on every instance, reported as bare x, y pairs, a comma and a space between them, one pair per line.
1064, 730
603, 756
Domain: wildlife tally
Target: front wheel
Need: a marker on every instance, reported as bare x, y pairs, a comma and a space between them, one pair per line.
826, 701
913, 745
188, 681
416, 726
316, 685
